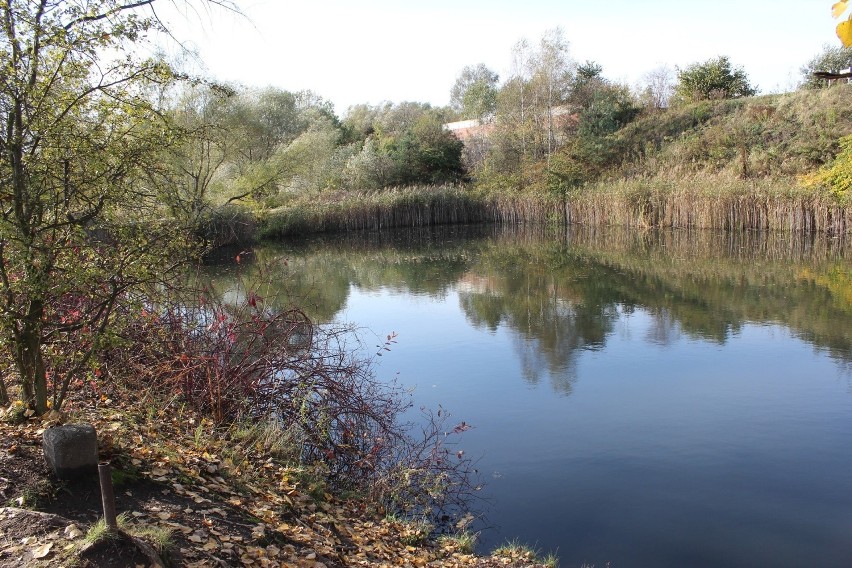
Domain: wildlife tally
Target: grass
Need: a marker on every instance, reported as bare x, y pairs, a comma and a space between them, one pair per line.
100, 531
514, 550
159, 538
464, 542
420, 206
34, 495
412, 532
269, 436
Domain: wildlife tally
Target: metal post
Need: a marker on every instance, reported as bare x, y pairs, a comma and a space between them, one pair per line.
107, 496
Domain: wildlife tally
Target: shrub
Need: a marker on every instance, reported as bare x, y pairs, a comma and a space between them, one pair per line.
235, 355
837, 176
713, 79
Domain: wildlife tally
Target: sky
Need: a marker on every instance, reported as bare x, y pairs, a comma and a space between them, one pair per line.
370, 51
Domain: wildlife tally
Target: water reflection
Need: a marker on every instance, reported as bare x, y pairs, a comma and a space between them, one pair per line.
562, 293
704, 414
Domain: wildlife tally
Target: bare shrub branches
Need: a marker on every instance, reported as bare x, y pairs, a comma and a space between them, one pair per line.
235, 355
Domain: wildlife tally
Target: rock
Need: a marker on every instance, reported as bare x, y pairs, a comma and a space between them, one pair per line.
72, 450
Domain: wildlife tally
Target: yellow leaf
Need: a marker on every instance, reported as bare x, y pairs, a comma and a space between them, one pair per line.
838, 9
844, 32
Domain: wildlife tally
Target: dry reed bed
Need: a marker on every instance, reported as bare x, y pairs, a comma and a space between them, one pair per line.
731, 205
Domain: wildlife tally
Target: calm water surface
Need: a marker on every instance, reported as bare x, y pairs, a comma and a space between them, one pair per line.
638, 399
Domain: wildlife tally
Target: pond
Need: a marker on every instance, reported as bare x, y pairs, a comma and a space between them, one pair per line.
638, 399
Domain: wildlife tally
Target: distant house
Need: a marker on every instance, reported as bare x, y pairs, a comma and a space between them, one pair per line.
464, 130
564, 118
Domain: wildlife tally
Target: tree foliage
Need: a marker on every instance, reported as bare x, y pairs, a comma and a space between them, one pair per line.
474, 94
837, 176
713, 79
78, 228
405, 144
832, 59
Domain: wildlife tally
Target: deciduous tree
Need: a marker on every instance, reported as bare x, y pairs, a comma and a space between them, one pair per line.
656, 87
78, 128
474, 94
832, 59
713, 79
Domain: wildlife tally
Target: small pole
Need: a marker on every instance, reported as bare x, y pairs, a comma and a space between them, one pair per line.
107, 496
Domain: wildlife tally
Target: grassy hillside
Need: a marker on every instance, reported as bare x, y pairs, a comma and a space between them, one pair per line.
727, 164
775, 136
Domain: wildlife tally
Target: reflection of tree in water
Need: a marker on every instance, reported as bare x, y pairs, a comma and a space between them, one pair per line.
552, 347
664, 329
317, 275
555, 311
560, 297
560, 293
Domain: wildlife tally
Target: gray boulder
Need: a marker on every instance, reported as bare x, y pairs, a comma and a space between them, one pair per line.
72, 450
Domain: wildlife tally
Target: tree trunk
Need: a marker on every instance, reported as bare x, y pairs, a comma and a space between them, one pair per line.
29, 359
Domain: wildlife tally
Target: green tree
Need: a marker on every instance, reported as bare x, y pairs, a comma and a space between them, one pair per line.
586, 82
79, 129
832, 59
528, 103
713, 79
407, 144
474, 94
610, 108
190, 166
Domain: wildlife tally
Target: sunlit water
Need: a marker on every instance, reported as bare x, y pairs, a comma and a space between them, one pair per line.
638, 400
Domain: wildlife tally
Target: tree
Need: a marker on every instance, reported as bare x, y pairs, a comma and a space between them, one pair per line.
79, 128
832, 59
551, 80
713, 79
474, 94
611, 108
191, 164
407, 144
656, 88
540, 82
586, 81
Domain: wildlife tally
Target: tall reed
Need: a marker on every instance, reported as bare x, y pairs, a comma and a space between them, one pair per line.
699, 202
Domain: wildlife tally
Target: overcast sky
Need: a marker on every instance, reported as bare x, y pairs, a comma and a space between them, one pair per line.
368, 51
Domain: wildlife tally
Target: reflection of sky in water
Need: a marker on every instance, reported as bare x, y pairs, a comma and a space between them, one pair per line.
669, 451
638, 410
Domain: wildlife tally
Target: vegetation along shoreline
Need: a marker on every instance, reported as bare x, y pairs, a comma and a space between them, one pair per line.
241, 431
758, 163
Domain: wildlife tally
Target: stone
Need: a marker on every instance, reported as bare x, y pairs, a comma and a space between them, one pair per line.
71, 451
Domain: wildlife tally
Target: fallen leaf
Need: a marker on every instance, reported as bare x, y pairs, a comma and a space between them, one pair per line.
72, 531
42, 551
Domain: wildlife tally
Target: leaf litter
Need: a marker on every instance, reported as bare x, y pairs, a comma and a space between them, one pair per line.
216, 509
